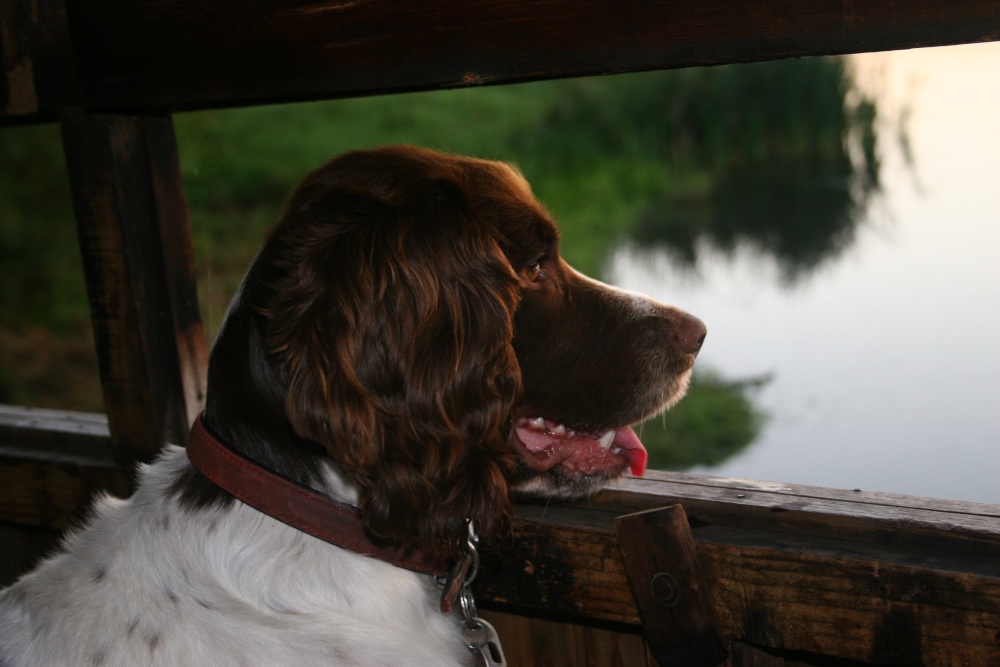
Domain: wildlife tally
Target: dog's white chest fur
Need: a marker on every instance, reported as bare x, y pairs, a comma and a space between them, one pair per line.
149, 583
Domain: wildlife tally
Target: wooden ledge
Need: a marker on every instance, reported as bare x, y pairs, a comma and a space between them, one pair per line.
862, 576
52, 463
856, 575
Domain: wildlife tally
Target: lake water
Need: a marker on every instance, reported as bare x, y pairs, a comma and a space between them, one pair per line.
884, 363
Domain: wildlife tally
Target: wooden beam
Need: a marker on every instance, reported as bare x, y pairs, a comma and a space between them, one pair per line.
871, 577
82, 436
191, 53
541, 641
820, 593
52, 464
183, 54
138, 258
669, 590
18, 96
897, 520
36, 62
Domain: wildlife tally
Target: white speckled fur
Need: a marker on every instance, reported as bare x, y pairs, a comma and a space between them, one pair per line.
151, 583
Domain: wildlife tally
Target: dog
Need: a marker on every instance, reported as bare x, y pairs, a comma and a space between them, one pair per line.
408, 343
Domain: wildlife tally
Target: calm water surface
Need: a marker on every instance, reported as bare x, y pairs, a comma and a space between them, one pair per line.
884, 363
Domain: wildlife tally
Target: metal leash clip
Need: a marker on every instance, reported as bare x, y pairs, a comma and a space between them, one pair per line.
479, 635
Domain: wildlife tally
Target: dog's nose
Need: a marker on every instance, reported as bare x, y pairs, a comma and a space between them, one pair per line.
690, 333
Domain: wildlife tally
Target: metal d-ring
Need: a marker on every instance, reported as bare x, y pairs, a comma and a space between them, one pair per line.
480, 637
468, 605
465, 598
474, 554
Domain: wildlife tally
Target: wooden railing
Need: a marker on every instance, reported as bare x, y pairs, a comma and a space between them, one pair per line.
795, 575
130, 55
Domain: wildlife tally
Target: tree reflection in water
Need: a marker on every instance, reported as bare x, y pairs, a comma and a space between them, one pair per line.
801, 211
792, 197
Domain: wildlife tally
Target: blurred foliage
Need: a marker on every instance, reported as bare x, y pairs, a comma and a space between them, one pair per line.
49, 369
38, 247
46, 343
768, 154
716, 421
703, 117
790, 182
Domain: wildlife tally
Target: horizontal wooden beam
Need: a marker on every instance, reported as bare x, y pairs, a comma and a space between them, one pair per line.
52, 464
184, 54
56, 433
837, 587
849, 574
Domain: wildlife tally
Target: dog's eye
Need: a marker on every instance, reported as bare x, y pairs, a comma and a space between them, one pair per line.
533, 272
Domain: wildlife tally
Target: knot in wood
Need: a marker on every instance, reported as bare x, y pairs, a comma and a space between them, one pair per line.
666, 589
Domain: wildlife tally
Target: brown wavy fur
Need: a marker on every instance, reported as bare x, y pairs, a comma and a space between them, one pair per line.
377, 328
391, 319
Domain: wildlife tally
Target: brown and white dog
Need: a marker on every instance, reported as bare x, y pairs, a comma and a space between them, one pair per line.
408, 341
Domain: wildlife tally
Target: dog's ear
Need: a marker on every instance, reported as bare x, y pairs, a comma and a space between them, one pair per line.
394, 329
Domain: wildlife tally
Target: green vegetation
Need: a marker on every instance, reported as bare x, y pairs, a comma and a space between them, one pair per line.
664, 158
46, 345
38, 247
716, 421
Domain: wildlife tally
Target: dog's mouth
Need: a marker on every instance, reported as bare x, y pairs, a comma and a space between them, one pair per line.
606, 453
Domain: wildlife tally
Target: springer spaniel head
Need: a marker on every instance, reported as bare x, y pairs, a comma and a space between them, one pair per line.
410, 319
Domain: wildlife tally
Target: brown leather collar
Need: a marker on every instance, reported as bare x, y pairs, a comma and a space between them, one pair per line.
296, 505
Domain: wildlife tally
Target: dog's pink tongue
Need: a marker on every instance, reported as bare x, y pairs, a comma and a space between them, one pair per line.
533, 439
632, 449
536, 440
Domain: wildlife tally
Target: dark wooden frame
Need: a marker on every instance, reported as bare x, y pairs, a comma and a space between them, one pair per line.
135, 55
796, 574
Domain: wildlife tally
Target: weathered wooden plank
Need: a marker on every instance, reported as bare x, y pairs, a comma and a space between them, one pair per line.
552, 643
163, 52
884, 518
36, 64
190, 54
56, 432
819, 595
68, 421
23, 547
52, 464
660, 560
18, 96
820, 591
744, 655
189, 342
54, 491
657, 480
136, 244
852, 606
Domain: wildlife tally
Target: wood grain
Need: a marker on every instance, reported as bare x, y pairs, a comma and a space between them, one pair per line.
554, 643
184, 54
135, 240
823, 593
51, 434
834, 586
661, 563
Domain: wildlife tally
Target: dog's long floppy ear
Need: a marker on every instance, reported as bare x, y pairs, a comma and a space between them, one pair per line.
392, 321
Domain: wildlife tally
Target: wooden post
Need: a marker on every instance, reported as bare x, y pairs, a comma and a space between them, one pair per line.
670, 592
135, 237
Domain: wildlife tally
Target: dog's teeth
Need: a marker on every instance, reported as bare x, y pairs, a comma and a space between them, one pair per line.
539, 423
607, 439
558, 429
